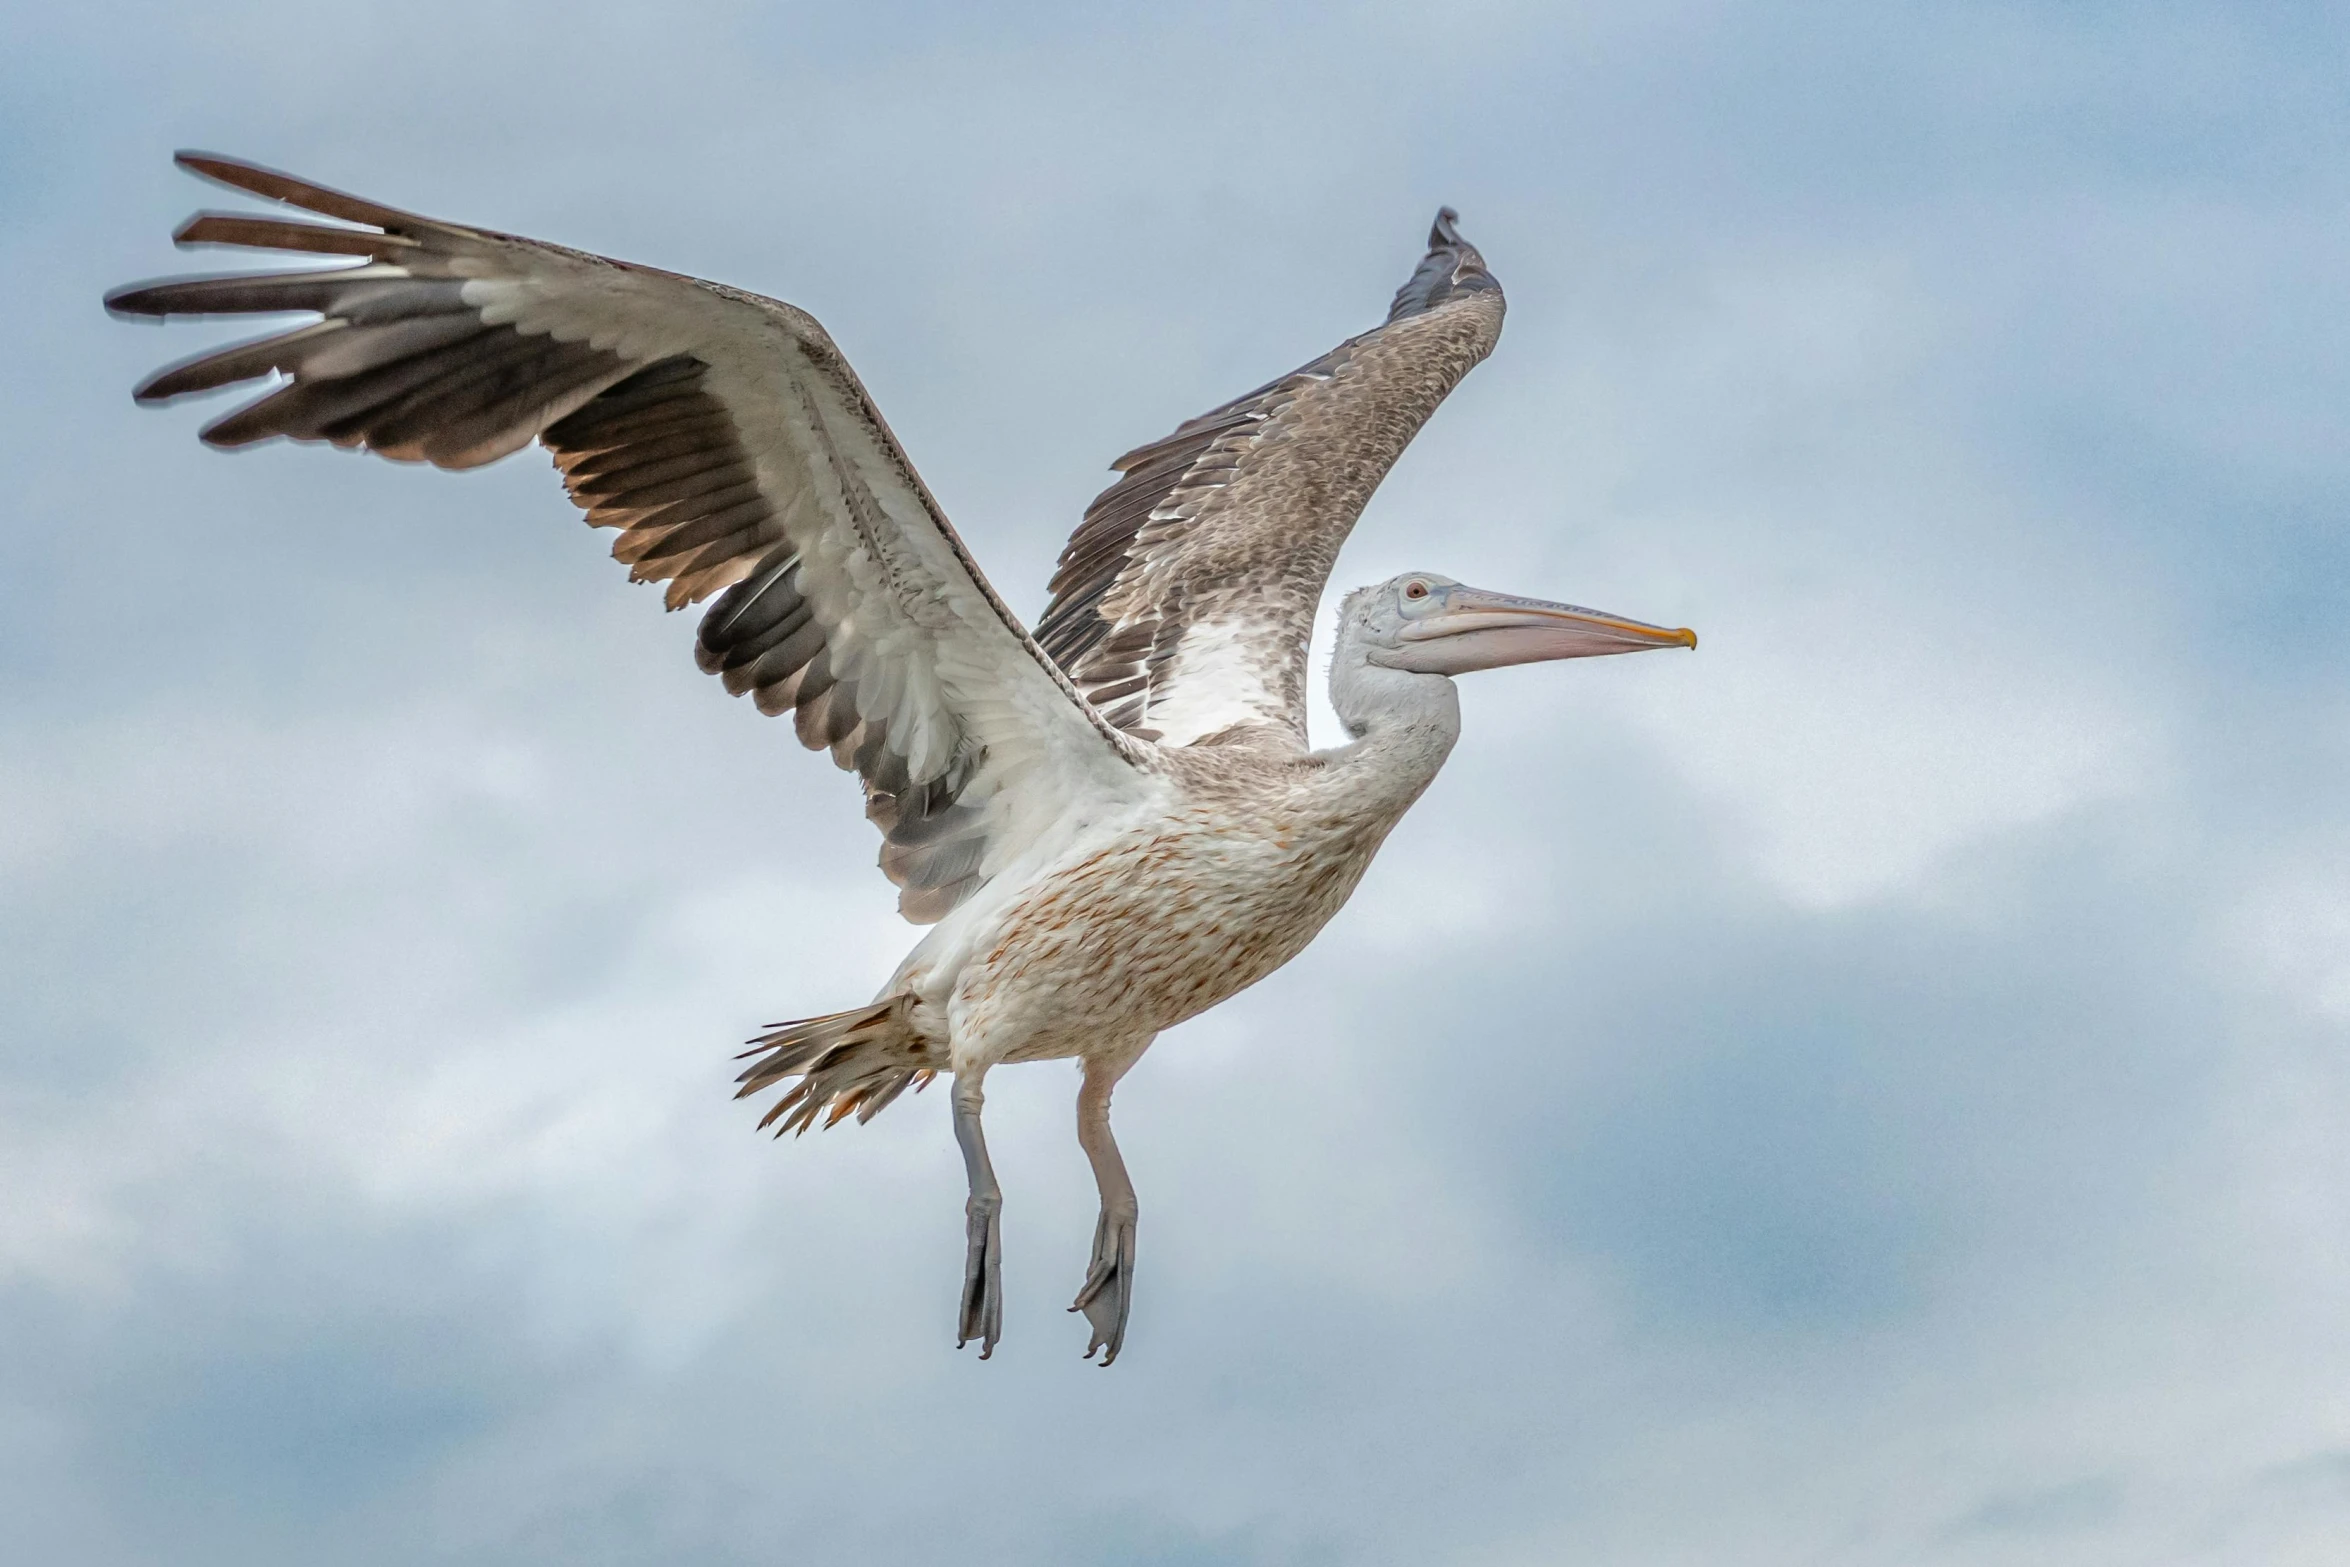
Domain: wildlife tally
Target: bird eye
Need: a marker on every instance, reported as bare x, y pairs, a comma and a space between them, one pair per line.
1415, 590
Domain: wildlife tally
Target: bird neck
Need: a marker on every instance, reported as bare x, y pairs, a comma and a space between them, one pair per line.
1403, 724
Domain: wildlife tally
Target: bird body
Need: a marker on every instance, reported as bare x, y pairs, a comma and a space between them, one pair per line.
1109, 825
1149, 919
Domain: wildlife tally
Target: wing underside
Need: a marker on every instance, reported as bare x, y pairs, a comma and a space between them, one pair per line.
1184, 603
736, 454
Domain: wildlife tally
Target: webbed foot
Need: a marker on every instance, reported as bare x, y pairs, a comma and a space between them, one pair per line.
983, 1276
1108, 1293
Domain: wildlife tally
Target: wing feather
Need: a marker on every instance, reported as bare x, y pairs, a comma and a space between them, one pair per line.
1183, 604
737, 456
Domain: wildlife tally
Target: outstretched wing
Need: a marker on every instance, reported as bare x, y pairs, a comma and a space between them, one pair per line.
730, 443
1184, 603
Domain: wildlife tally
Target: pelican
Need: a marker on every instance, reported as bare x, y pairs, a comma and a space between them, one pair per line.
1110, 823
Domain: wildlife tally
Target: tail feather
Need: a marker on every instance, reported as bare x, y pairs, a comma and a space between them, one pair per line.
847, 1063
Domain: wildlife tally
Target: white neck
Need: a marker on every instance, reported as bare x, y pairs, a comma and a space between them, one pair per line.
1403, 724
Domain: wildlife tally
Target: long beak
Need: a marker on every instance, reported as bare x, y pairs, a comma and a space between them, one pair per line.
1473, 629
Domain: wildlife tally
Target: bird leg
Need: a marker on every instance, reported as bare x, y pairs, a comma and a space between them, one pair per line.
1108, 1292
983, 1259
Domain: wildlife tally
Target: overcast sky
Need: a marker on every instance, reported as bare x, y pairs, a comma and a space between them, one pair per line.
1873, 1091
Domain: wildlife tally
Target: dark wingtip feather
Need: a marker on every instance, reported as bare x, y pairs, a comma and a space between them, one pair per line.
240, 427
220, 169
255, 180
210, 370
1451, 268
138, 301
256, 233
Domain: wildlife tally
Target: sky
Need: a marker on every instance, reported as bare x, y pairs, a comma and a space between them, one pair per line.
1871, 1091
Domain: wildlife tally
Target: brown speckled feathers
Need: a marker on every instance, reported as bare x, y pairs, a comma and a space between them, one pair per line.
1183, 603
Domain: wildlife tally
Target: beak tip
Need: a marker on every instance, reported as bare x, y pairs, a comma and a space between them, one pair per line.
1688, 638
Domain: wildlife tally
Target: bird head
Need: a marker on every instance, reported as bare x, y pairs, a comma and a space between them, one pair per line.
1431, 625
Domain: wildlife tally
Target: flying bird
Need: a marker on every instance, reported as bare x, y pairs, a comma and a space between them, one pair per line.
1109, 823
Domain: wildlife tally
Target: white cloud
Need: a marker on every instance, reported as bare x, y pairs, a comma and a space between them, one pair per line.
1649, 1165
1857, 745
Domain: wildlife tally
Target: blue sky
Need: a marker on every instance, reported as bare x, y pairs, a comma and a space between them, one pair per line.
1869, 1092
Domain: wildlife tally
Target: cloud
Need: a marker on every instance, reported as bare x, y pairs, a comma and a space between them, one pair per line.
1866, 1091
